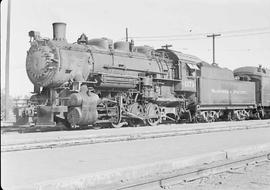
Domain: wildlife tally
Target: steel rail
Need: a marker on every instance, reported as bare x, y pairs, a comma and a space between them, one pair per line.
166, 181
33, 129
74, 141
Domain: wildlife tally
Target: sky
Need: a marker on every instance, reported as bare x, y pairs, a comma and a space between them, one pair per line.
244, 26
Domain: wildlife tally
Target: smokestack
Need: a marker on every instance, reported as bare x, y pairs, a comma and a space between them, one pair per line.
59, 31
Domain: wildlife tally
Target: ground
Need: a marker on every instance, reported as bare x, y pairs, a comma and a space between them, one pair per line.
40, 165
255, 177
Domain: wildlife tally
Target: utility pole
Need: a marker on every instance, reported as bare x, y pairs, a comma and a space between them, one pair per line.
7, 63
126, 34
166, 46
213, 36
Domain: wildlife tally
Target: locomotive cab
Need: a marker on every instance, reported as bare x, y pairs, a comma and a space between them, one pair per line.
185, 69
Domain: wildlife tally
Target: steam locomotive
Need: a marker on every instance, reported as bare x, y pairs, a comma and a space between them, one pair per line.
98, 82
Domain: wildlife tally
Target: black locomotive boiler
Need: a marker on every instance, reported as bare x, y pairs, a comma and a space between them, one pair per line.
96, 81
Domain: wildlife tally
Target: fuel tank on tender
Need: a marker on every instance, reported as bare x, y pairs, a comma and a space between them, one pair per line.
219, 88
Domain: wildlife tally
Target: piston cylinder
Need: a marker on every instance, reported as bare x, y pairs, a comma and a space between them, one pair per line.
83, 108
75, 99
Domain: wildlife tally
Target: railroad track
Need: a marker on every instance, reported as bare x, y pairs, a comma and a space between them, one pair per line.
127, 136
167, 181
164, 174
34, 129
31, 129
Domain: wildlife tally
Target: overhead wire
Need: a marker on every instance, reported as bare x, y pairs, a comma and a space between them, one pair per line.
202, 36
246, 34
199, 36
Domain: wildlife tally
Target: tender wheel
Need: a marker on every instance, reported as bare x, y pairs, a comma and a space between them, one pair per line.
258, 116
153, 114
237, 116
230, 116
203, 116
211, 116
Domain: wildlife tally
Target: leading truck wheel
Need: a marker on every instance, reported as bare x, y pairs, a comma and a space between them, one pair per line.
153, 114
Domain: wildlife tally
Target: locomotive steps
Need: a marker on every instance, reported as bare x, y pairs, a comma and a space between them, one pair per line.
21, 142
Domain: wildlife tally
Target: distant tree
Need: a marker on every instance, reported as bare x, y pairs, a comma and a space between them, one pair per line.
3, 104
26, 97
